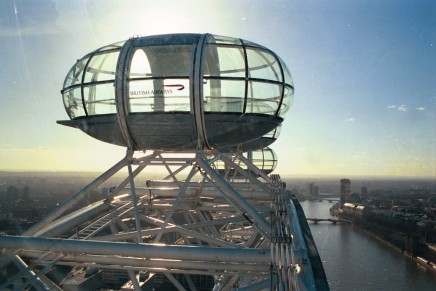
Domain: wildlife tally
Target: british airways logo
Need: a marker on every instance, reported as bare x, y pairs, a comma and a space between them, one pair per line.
167, 90
178, 87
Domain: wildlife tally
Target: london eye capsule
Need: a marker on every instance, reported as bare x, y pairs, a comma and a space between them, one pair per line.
265, 160
178, 92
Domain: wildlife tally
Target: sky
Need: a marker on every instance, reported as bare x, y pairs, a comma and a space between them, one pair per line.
364, 73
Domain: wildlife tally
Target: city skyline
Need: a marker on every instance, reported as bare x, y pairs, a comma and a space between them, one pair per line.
363, 73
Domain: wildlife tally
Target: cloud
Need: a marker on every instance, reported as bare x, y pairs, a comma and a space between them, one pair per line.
402, 107
351, 119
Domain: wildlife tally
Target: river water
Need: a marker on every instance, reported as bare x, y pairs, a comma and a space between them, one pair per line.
354, 260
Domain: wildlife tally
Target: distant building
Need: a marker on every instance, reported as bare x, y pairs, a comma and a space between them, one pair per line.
313, 190
12, 193
354, 210
311, 185
363, 194
345, 190
26, 193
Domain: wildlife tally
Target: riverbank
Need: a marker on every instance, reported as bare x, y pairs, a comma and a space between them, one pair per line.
420, 262
348, 253
406, 245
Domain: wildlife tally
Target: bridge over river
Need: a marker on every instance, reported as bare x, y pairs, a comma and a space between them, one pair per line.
325, 197
332, 220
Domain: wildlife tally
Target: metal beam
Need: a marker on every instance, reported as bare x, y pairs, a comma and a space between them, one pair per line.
253, 168
169, 215
134, 281
150, 251
156, 184
175, 228
246, 207
172, 192
21, 265
67, 223
129, 156
153, 231
246, 174
130, 262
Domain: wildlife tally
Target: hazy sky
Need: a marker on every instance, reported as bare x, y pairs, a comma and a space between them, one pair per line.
364, 74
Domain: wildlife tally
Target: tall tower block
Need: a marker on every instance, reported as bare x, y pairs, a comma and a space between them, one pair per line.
345, 190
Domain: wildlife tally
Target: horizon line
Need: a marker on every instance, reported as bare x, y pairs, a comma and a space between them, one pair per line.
287, 176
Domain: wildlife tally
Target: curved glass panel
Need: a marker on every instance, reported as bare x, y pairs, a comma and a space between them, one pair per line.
100, 99
224, 61
263, 97
278, 130
265, 159
102, 67
112, 46
287, 101
73, 102
263, 65
223, 95
288, 77
225, 75
97, 87
74, 76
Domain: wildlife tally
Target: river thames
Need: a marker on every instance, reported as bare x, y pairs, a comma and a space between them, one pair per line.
354, 260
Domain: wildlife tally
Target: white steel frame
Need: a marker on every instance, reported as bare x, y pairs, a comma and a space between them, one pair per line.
241, 230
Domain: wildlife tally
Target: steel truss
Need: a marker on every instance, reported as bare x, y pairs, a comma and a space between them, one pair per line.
212, 214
